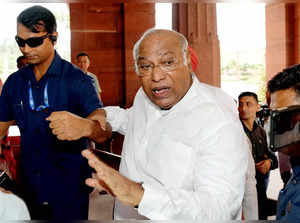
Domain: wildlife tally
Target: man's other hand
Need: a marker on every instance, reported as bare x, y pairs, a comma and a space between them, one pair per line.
107, 178
263, 166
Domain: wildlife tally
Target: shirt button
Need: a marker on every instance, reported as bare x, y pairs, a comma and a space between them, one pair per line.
294, 181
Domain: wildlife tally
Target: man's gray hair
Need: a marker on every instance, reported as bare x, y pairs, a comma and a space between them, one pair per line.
136, 48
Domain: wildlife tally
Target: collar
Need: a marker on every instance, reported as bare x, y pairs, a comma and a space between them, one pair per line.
255, 125
296, 171
55, 67
53, 70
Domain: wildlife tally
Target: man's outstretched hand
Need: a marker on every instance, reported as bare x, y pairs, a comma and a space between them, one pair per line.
109, 179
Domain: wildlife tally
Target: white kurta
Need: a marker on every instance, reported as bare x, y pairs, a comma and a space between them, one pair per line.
192, 159
12, 207
250, 203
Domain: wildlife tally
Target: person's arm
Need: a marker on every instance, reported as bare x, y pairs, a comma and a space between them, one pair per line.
99, 130
271, 162
110, 180
88, 118
68, 126
218, 171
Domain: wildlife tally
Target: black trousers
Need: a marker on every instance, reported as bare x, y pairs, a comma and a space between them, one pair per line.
266, 207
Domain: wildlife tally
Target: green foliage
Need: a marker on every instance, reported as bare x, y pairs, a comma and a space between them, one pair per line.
252, 74
261, 94
246, 70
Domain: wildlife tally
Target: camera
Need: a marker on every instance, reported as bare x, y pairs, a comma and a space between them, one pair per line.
284, 127
263, 114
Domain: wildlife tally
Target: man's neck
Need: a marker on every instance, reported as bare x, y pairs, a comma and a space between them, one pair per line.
41, 69
249, 123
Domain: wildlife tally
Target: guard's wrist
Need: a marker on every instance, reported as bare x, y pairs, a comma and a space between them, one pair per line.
90, 126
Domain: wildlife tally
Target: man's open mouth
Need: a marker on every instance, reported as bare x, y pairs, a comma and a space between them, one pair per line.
160, 92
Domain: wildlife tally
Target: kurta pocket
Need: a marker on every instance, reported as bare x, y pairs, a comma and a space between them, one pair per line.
169, 161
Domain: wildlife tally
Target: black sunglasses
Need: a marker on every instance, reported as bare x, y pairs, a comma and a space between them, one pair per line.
31, 42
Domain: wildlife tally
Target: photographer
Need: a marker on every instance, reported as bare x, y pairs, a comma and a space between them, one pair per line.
285, 91
264, 159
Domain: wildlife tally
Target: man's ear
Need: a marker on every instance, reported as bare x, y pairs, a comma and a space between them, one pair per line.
189, 61
53, 37
258, 107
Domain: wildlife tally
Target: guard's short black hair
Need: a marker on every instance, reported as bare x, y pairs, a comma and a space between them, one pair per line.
38, 19
250, 94
287, 78
82, 54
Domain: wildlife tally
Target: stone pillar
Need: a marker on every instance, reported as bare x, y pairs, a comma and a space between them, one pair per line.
108, 32
281, 47
97, 29
137, 19
198, 22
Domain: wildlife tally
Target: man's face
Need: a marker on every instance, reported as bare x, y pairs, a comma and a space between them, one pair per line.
285, 98
35, 55
169, 78
248, 107
83, 62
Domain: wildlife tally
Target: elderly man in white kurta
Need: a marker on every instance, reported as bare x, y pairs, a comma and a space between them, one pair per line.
190, 158
185, 154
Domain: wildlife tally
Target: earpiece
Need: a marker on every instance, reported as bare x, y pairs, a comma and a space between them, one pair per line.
53, 38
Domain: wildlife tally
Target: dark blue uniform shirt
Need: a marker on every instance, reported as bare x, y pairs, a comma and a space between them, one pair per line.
53, 171
288, 207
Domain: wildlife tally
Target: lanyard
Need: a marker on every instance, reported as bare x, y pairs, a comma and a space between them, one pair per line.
31, 101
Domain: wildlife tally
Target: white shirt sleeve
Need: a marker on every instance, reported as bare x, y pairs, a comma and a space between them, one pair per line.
118, 118
250, 203
219, 173
12, 208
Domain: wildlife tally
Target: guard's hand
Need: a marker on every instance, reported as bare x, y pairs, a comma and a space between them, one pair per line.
263, 166
107, 178
67, 126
